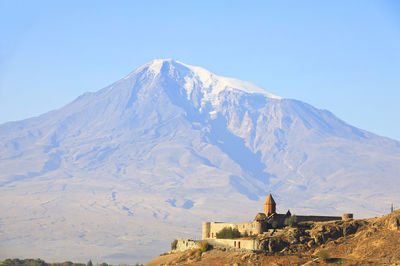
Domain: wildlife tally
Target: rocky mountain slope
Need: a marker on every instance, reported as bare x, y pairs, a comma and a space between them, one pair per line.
374, 241
118, 173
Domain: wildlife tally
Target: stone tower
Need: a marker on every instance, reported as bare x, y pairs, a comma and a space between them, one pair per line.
269, 205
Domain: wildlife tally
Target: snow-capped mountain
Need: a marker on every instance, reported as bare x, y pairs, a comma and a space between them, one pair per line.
116, 175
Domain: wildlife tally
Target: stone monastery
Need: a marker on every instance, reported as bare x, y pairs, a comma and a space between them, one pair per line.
268, 220
263, 221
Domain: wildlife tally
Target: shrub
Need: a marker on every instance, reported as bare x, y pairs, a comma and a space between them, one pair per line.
228, 233
203, 245
291, 221
25, 262
174, 243
323, 255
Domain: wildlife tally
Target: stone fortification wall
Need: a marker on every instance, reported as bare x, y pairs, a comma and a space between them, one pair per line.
185, 244
246, 244
313, 218
243, 244
206, 229
210, 229
280, 218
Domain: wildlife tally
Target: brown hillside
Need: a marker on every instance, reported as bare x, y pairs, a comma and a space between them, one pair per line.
378, 239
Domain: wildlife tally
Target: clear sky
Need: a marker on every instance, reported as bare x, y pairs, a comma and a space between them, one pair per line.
343, 56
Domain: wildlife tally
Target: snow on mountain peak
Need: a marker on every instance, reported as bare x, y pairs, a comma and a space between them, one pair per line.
211, 83
216, 83
153, 66
156, 65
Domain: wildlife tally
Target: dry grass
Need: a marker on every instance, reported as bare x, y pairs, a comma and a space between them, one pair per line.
323, 255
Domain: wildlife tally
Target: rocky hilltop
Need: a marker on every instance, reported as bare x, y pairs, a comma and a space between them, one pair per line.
374, 241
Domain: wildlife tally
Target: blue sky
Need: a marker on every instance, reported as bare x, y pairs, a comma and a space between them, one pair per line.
343, 56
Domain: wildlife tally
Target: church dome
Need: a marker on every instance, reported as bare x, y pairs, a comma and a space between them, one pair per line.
260, 217
270, 200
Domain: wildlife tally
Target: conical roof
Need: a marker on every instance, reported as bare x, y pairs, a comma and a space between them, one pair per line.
270, 200
260, 216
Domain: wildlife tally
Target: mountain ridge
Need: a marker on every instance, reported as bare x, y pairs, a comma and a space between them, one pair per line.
164, 149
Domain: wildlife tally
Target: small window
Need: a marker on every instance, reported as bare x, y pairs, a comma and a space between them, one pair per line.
238, 244
234, 243
212, 235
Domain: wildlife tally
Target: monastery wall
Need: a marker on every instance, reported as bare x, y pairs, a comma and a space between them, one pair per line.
313, 218
185, 244
246, 244
243, 244
210, 229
